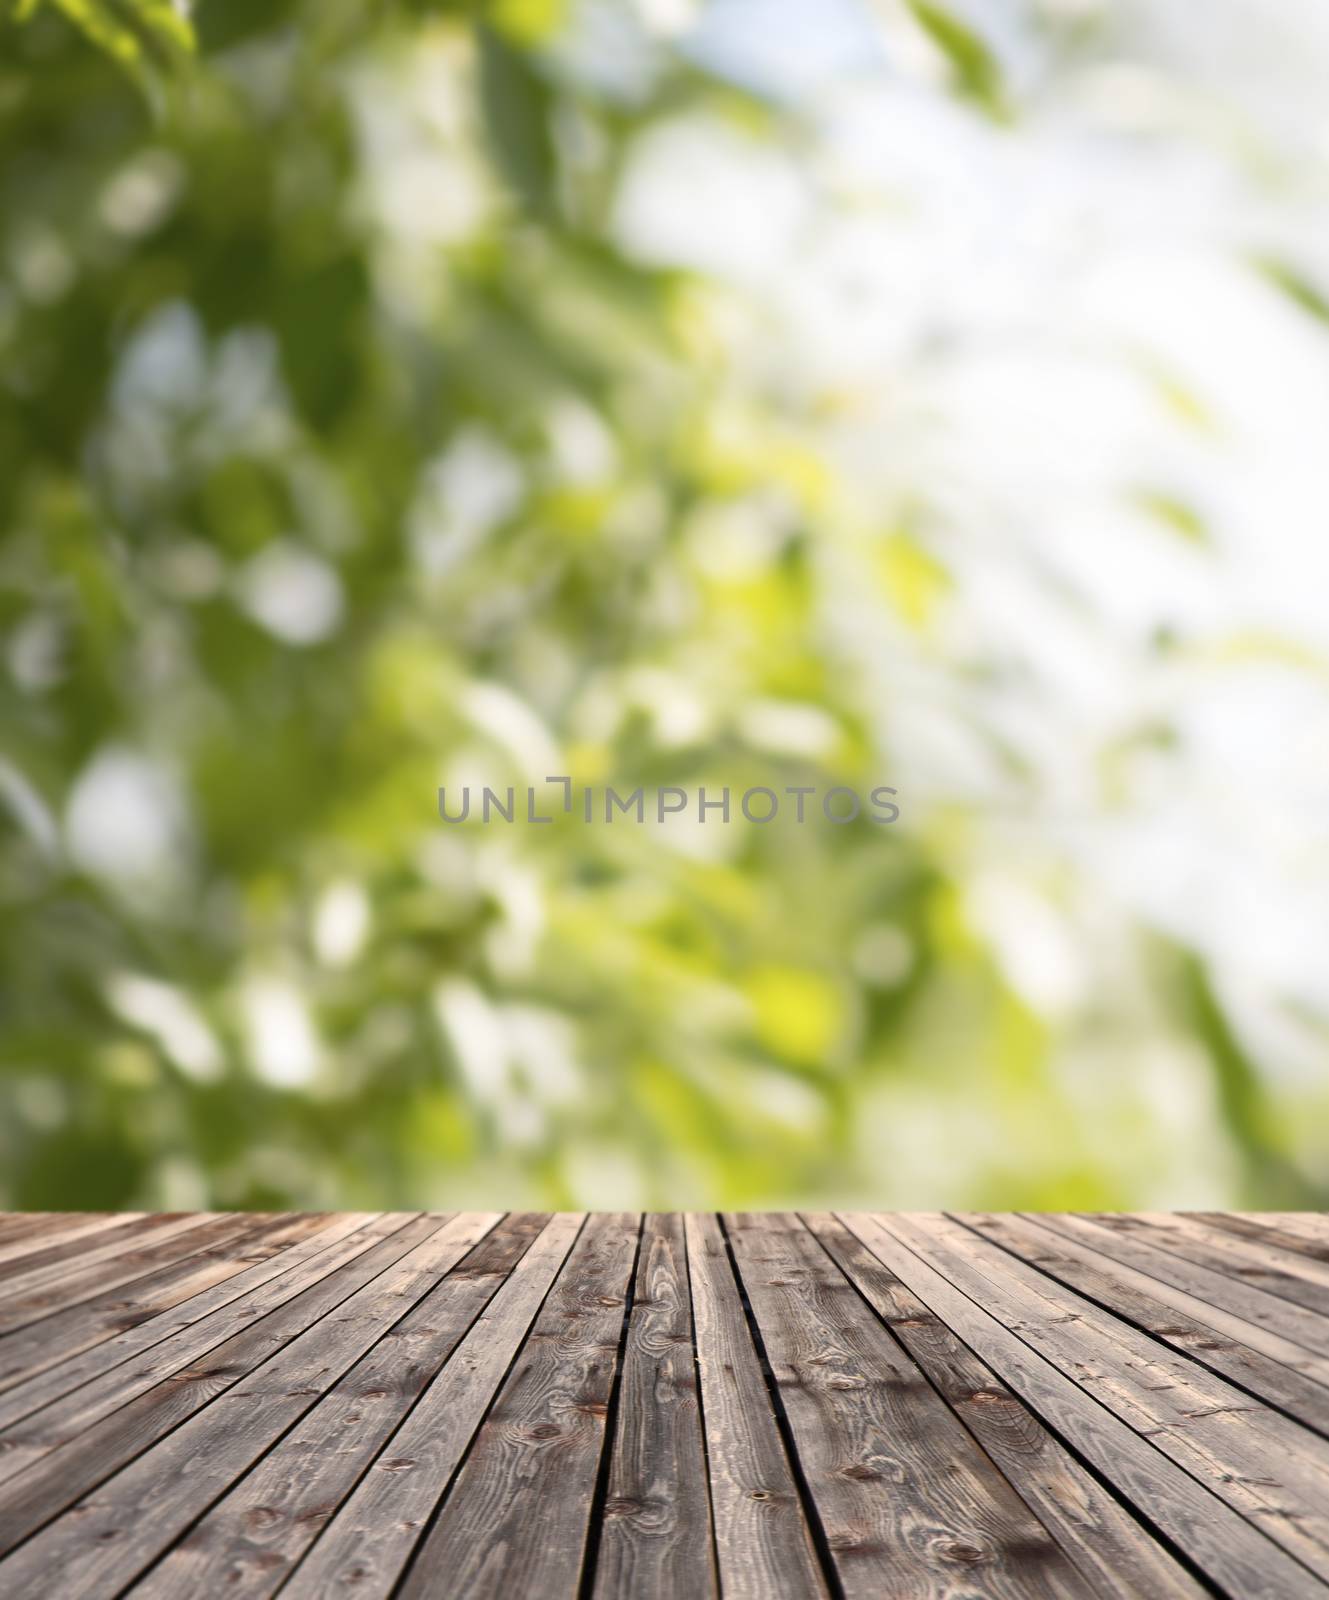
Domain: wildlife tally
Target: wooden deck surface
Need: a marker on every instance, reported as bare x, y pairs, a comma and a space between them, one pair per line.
664, 1406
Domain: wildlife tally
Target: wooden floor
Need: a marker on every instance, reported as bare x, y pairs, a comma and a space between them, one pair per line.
664, 1406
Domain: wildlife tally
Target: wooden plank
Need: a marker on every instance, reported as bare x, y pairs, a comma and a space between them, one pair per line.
1292, 1326
763, 1546
1243, 1315
1265, 1463
53, 1262
1283, 1234
252, 1538
367, 1544
221, 1252
1117, 1556
1235, 1258
78, 1372
1256, 1460
1128, 1294
24, 1224
376, 1406
541, 1443
1233, 1553
107, 1540
909, 1503
63, 1457
1262, 1252
1312, 1226
77, 1228
36, 1294
656, 1537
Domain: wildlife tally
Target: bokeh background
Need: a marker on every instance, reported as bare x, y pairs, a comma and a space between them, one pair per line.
664, 391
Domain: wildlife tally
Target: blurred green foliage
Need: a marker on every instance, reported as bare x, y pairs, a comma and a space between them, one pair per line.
343, 454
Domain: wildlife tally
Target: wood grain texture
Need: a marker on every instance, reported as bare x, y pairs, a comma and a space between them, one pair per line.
1293, 1327
76, 1458
1194, 1333
597, 1408
63, 1232
1255, 1458
1282, 1232
219, 1253
254, 1535
908, 1500
133, 1517
312, 1249
1114, 1553
1290, 1276
368, 1543
519, 1514
763, 1543
656, 1536
40, 1289
1309, 1225
1232, 1552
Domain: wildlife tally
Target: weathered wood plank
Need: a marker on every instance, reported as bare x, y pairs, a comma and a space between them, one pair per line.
51, 1261
1313, 1225
1292, 1326
541, 1444
76, 1229
1263, 1252
656, 1539
1256, 1460
1116, 1554
885, 1405
38, 1291
106, 1541
1232, 1552
1281, 1231
1196, 1337
1234, 1258
1259, 1460
252, 1538
24, 1224
219, 1253
763, 1546
77, 1373
909, 1503
76, 1457
49, 1245
367, 1544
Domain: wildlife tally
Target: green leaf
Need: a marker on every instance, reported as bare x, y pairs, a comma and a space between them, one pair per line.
133, 31
1178, 515
527, 22
516, 105
977, 74
150, 39
1242, 1095
1297, 287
